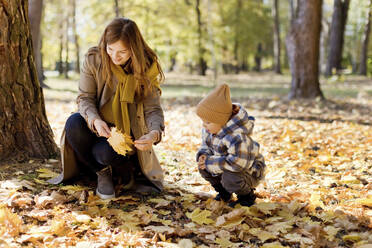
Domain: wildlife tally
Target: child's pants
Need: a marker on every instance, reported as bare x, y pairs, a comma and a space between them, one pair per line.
240, 183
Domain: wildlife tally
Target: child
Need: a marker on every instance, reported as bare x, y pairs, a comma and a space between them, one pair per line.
228, 157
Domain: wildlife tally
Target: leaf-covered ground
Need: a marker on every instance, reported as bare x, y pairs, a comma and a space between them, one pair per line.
317, 191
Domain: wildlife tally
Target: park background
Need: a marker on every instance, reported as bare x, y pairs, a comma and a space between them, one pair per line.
302, 68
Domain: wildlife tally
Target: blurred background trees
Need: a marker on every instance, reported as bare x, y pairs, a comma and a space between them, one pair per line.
205, 36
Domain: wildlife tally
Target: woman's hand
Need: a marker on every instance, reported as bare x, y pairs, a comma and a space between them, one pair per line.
145, 142
102, 129
201, 162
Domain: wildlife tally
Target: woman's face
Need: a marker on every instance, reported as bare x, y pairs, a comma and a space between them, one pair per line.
118, 53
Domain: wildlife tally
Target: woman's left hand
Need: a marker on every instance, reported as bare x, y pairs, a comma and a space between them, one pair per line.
145, 142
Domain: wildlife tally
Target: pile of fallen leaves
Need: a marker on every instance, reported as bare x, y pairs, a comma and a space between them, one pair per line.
317, 191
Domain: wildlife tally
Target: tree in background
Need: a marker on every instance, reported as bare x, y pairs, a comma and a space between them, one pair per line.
303, 49
202, 64
336, 39
76, 37
275, 13
367, 31
24, 128
35, 9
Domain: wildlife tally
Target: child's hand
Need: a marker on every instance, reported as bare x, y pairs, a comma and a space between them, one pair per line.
201, 162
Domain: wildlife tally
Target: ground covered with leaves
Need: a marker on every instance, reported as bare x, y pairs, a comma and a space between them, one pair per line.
317, 191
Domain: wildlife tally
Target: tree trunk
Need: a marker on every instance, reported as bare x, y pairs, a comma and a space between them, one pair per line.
202, 67
303, 50
35, 9
336, 40
24, 128
258, 57
237, 35
66, 63
76, 37
275, 13
116, 8
60, 52
364, 55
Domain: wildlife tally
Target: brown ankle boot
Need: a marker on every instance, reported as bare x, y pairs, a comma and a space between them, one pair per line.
105, 187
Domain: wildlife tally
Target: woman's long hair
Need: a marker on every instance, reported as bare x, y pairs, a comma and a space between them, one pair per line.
142, 56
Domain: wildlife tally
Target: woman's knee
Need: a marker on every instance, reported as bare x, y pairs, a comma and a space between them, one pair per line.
74, 123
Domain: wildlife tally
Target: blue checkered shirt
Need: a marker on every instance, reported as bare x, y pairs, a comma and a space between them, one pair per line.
232, 148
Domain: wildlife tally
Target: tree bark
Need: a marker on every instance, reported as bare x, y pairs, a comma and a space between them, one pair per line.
35, 9
202, 66
364, 55
76, 37
336, 40
303, 50
24, 128
275, 13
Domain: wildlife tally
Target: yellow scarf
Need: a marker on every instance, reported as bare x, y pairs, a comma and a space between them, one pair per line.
125, 91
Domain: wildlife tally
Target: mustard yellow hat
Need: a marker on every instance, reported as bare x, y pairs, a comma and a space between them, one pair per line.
216, 107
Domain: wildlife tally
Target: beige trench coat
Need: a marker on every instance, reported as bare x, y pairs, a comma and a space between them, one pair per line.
93, 94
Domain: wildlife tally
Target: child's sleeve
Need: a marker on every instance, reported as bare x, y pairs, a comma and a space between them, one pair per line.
241, 154
204, 148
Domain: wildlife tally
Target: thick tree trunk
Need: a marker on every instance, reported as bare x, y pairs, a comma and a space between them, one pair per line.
275, 13
303, 50
336, 40
76, 37
364, 55
24, 128
202, 66
35, 9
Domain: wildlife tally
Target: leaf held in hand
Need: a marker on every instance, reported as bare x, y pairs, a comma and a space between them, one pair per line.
120, 142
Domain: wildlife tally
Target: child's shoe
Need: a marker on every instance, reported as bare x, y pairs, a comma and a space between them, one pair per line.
223, 194
244, 200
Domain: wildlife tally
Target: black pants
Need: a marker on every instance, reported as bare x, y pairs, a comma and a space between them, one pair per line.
95, 153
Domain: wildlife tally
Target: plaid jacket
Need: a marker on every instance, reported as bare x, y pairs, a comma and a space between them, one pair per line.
232, 148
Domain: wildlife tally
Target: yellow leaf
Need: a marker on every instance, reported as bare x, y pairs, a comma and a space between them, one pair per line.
185, 243
261, 234
365, 202
266, 207
273, 245
351, 238
294, 237
46, 173
200, 216
73, 188
224, 243
161, 229
120, 142
10, 222
231, 219
316, 200
40, 181
331, 232
282, 227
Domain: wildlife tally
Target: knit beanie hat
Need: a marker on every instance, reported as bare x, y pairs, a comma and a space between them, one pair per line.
216, 107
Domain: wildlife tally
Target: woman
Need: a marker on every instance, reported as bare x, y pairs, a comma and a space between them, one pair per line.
119, 86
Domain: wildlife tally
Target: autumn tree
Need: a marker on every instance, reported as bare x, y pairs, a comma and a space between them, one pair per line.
303, 49
336, 39
367, 31
276, 33
24, 128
